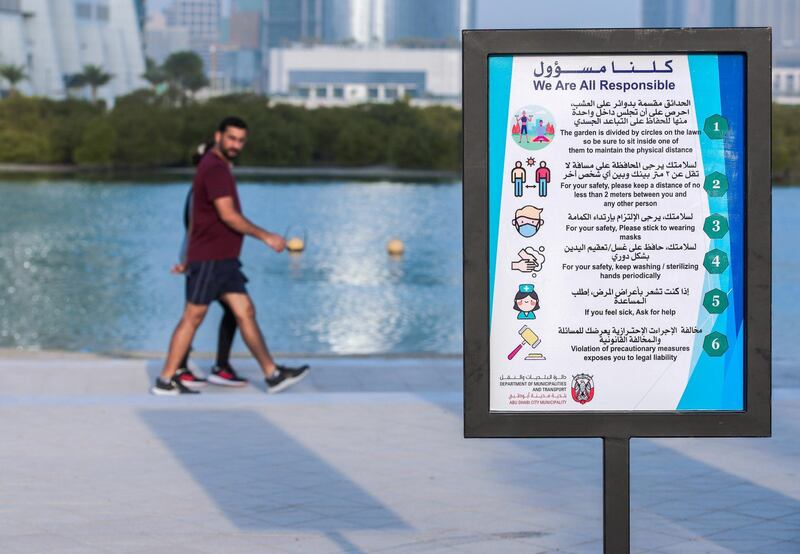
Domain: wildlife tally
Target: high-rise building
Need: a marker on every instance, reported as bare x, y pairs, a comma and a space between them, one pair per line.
54, 39
723, 13
422, 22
662, 13
688, 13
782, 15
141, 13
368, 21
161, 40
246, 24
242, 59
288, 21
784, 18
412, 22
202, 19
361, 23
336, 21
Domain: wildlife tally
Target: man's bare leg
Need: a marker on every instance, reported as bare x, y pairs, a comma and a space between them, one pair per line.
245, 313
193, 315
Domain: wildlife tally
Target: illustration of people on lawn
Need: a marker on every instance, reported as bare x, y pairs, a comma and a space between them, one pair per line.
532, 127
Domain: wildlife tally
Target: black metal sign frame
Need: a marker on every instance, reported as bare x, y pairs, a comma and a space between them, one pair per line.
755, 419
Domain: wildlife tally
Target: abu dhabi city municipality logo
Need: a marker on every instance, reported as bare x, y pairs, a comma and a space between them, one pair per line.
582, 388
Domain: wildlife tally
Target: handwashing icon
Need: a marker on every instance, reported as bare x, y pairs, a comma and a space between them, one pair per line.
530, 260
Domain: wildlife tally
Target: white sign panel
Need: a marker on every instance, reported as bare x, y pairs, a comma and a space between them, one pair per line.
616, 221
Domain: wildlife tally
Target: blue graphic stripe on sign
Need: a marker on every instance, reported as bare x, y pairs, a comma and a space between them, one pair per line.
731, 77
500, 68
731, 80
704, 389
716, 383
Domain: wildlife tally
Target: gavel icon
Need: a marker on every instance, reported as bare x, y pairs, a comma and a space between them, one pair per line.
528, 337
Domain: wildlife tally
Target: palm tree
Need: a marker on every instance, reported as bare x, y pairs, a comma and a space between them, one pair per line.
13, 74
184, 71
153, 73
73, 83
95, 77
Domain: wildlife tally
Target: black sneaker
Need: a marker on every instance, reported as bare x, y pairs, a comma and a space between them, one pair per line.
287, 376
171, 388
226, 377
189, 379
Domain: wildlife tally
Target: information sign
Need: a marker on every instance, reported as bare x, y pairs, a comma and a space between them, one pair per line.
617, 232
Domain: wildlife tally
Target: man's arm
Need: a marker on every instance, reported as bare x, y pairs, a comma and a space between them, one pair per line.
183, 256
180, 267
234, 219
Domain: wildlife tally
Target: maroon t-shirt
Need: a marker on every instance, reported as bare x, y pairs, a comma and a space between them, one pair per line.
210, 238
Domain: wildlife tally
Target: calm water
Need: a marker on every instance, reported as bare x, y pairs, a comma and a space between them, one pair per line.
786, 286
85, 266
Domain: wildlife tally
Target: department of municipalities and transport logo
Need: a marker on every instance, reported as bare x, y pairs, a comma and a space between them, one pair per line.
582, 388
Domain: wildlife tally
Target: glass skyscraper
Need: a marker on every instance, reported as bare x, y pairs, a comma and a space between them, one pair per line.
202, 19
422, 22
290, 21
54, 39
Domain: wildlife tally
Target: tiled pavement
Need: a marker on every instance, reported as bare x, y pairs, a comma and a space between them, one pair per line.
364, 456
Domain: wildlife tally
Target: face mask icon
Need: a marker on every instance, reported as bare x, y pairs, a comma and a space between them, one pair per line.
527, 220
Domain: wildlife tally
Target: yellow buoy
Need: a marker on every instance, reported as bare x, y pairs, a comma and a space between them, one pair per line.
295, 244
395, 247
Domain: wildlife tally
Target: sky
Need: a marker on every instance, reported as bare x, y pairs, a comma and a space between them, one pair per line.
522, 14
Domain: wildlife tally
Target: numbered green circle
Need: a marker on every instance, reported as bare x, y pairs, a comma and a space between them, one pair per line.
716, 184
716, 226
716, 127
715, 261
715, 301
715, 344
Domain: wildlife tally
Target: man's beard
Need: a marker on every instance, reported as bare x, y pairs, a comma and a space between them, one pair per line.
231, 153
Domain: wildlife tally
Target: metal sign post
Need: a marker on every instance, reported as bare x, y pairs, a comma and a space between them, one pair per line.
616, 494
616, 231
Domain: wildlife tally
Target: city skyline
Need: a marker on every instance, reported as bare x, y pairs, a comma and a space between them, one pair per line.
501, 14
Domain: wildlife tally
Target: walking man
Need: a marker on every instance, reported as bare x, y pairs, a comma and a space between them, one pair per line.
222, 373
215, 242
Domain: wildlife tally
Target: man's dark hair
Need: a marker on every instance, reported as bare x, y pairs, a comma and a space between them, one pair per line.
232, 121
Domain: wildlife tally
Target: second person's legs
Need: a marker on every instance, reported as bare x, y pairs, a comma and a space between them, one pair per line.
227, 332
223, 373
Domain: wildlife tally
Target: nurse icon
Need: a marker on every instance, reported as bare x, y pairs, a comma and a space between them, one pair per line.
526, 302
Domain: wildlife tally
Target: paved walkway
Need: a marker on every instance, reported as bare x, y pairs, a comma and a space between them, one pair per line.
366, 455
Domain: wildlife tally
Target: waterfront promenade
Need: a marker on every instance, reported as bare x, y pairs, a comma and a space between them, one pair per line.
366, 455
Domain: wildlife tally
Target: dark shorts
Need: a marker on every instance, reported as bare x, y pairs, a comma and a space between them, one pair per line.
207, 281
523, 130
